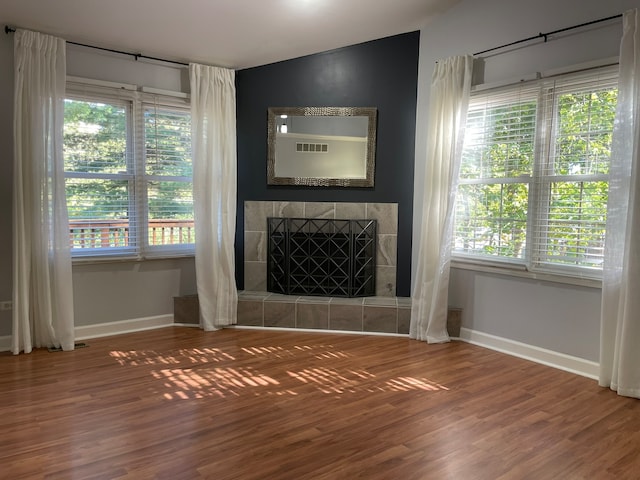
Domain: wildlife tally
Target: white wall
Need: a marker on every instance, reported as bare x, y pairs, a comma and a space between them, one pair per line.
553, 316
105, 292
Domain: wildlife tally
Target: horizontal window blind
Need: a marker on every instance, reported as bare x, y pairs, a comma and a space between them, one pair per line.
168, 176
500, 134
573, 181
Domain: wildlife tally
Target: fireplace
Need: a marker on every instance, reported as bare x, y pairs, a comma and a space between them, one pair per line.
256, 236
327, 257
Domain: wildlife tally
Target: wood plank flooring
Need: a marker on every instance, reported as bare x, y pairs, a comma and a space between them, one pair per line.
179, 403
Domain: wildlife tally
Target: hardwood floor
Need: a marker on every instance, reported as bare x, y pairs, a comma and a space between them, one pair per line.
179, 403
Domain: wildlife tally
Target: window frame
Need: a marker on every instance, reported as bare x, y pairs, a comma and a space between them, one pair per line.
135, 99
530, 266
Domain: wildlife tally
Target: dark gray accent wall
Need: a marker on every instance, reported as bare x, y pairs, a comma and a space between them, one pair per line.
382, 74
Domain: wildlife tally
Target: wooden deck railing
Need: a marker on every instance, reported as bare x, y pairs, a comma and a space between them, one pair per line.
115, 233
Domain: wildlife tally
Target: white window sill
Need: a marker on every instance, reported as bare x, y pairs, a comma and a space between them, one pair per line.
520, 271
96, 260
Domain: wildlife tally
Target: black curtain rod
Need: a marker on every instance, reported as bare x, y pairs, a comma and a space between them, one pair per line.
137, 56
546, 35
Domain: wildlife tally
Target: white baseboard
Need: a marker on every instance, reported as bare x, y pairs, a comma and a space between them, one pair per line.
188, 325
111, 328
550, 358
123, 326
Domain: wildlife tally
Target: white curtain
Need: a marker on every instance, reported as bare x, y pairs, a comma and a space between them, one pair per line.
42, 290
449, 100
620, 320
213, 117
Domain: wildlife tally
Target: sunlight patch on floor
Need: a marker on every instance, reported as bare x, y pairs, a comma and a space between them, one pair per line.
150, 357
212, 372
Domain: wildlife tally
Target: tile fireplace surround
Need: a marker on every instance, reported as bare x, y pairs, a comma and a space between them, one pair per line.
382, 313
256, 237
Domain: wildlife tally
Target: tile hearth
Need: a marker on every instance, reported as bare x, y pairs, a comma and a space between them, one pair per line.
367, 314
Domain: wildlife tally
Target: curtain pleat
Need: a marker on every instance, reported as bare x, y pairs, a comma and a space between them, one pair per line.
620, 315
42, 293
449, 100
213, 117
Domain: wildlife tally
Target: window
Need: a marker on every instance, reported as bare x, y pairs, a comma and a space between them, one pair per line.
128, 173
168, 176
534, 174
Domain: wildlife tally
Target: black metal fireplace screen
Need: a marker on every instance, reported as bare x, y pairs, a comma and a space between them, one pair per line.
311, 256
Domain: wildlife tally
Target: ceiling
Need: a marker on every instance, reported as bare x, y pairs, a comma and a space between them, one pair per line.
228, 33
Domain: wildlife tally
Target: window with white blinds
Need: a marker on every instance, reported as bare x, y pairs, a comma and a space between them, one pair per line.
533, 182
168, 176
128, 173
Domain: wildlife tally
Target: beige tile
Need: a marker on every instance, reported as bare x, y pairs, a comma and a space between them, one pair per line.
345, 317
255, 276
255, 246
380, 319
404, 302
310, 315
253, 295
351, 211
387, 250
381, 301
278, 314
311, 299
387, 216
404, 320
319, 210
347, 301
385, 281
255, 215
280, 298
250, 313
288, 209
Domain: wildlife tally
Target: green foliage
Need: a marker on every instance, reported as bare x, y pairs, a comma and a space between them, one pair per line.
95, 137
583, 141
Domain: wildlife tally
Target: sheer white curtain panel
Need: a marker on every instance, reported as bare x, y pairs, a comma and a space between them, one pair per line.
620, 316
448, 104
213, 119
42, 287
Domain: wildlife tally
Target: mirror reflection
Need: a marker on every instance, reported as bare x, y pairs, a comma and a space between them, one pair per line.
321, 146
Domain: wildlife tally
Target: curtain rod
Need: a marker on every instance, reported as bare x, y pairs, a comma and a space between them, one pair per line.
546, 35
137, 56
